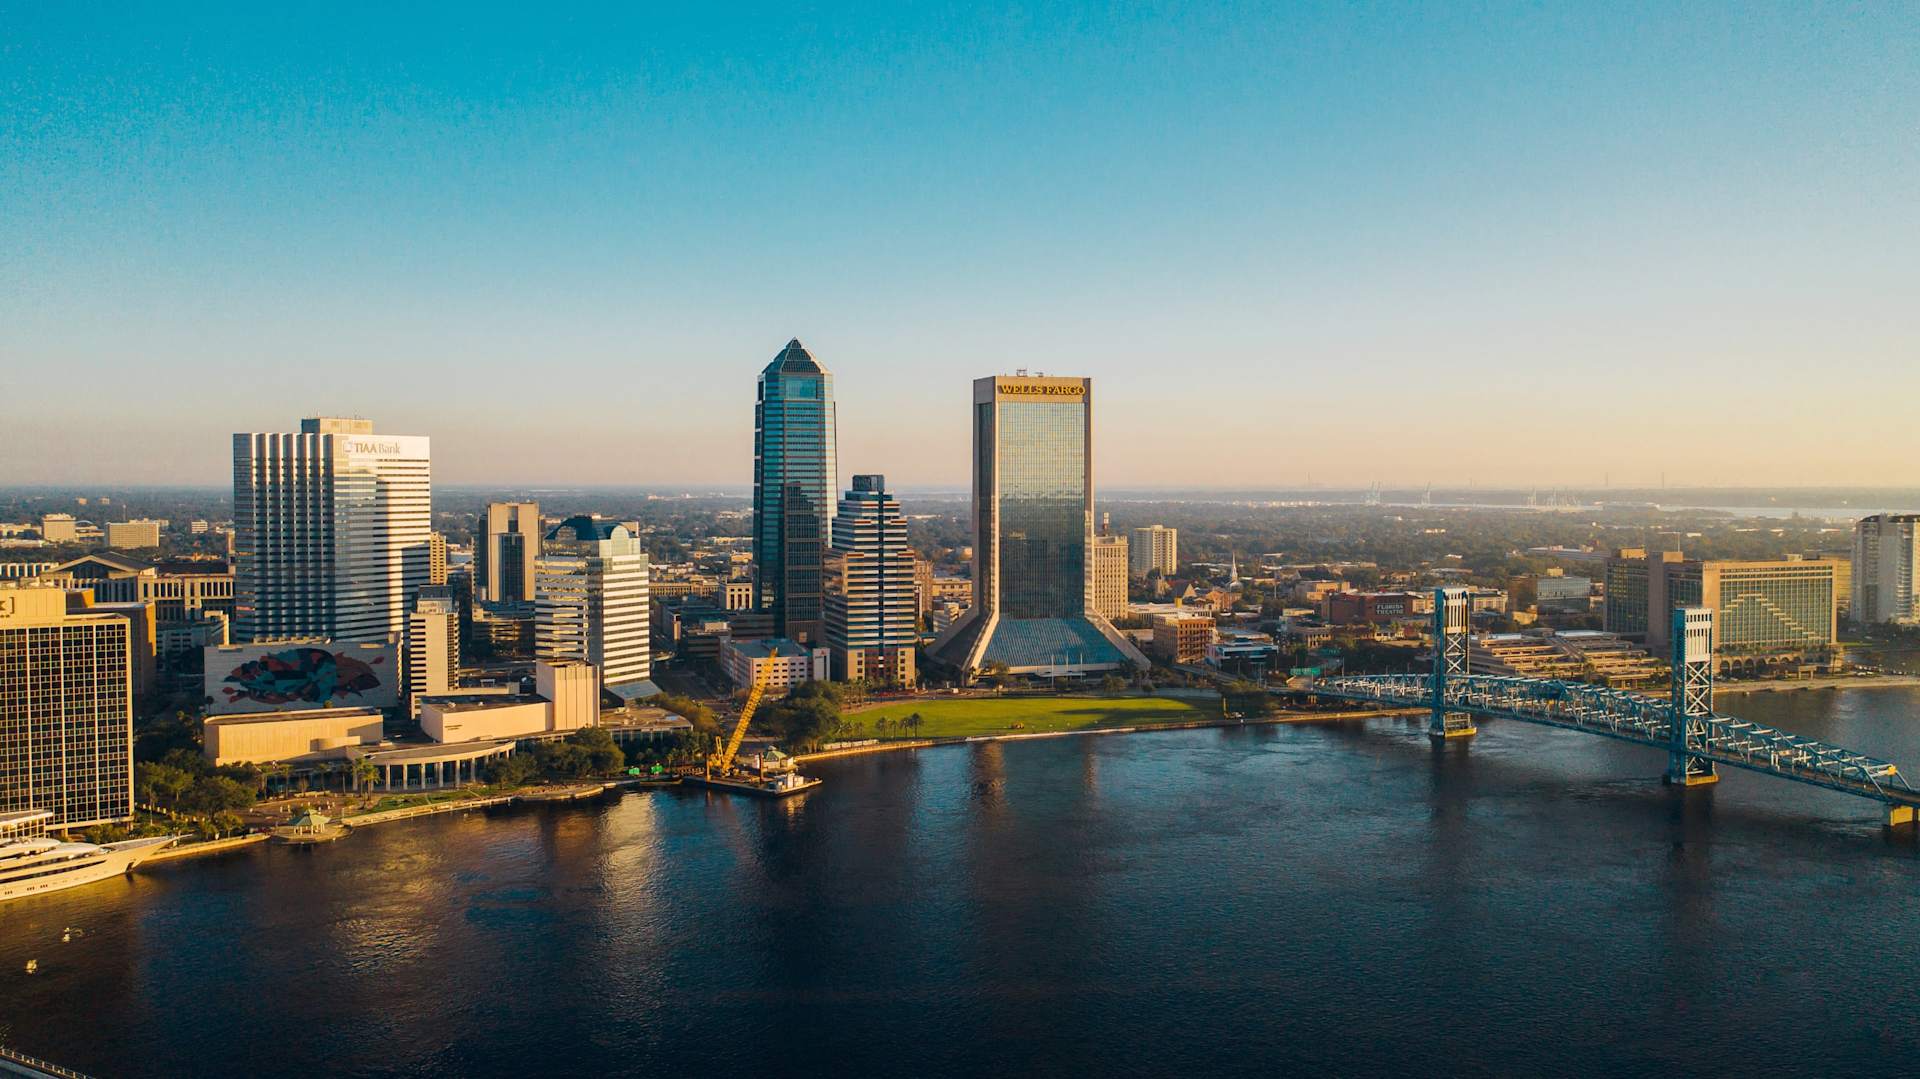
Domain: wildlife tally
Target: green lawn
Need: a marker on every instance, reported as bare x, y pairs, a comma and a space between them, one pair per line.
961, 717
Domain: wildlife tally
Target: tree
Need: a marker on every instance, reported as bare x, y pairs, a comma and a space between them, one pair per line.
692, 711
513, 770
601, 753
161, 785
364, 772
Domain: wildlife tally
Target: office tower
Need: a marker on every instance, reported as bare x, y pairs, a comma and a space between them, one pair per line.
436, 559
794, 478
133, 535
1886, 548
1033, 523
1110, 576
871, 617
332, 530
1155, 547
590, 600
66, 709
433, 646
508, 546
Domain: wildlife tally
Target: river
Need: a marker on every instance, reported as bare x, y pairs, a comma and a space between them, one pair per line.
1335, 900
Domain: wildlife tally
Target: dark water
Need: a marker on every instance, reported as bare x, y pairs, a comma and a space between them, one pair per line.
1332, 900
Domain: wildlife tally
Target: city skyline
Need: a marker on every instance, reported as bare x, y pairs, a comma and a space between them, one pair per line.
1253, 231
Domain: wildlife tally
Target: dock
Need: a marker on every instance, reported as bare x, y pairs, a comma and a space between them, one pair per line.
753, 787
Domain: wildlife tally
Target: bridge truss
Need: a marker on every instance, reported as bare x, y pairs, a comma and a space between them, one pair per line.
1695, 737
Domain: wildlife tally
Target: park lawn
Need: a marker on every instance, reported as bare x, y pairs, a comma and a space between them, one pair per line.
968, 716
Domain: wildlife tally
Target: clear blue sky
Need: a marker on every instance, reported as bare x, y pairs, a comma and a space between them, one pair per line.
1285, 239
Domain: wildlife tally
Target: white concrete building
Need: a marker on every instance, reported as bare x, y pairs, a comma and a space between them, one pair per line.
1155, 547
332, 527
787, 664
433, 647
1886, 548
590, 603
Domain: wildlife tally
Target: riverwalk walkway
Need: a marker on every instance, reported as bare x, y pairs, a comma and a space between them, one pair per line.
889, 745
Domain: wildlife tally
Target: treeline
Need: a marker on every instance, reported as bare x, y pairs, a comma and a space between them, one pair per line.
184, 787
593, 752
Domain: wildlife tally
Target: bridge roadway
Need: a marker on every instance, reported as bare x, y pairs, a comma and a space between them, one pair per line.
1646, 721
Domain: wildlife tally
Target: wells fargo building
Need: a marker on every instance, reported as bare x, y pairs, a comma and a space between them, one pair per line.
1033, 527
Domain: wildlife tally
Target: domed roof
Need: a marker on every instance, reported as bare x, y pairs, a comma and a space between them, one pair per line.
584, 528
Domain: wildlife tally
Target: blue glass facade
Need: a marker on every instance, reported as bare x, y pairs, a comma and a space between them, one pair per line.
1033, 519
795, 479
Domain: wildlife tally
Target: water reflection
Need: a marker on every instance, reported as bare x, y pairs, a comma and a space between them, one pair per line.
1323, 898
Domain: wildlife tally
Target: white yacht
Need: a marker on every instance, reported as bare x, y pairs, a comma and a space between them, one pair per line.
31, 863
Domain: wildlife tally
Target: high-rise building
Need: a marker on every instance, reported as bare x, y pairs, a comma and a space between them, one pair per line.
436, 558
871, 618
1033, 524
66, 709
433, 646
590, 598
1110, 576
332, 529
1886, 550
508, 546
1155, 547
795, 475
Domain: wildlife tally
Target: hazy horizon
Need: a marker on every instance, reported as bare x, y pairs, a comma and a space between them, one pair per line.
1526, 246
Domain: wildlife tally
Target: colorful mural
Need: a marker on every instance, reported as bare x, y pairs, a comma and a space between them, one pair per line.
304, 675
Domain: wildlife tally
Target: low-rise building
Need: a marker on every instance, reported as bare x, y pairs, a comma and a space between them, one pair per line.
303, 737
133, 535
1373, 608
566, 698
785, 662
1182, 638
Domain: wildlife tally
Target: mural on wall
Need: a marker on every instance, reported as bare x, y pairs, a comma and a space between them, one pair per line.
303, 676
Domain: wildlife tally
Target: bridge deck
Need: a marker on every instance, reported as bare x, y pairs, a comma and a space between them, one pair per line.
1640, 719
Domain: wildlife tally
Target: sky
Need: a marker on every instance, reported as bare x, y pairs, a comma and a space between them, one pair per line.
1529, 244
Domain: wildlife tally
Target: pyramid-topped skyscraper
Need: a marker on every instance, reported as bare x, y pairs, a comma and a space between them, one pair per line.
795, 481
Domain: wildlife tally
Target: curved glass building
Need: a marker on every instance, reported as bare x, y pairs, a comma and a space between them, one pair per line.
795, 479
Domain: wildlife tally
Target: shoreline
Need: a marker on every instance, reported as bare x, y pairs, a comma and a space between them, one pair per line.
1278, 719
1875, 681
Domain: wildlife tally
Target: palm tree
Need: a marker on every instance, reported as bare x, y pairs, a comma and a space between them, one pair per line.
364, 772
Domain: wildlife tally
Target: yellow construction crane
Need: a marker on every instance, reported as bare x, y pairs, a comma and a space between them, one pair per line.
722, 762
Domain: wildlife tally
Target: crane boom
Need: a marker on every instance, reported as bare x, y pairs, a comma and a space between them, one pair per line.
722, 761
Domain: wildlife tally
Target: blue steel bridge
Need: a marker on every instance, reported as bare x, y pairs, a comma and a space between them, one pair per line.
1696, 739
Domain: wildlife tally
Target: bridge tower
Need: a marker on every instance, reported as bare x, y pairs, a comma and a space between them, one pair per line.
1449, 661
1692, 695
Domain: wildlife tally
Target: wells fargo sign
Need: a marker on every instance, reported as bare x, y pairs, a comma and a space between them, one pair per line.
1033, 388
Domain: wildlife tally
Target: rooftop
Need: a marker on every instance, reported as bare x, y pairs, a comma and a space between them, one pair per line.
795, 360
760, 649
290, 715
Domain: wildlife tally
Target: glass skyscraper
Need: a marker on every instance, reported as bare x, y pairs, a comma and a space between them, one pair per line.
795, 479
1033, 524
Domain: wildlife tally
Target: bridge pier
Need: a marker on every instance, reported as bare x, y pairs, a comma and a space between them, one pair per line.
1899, 816
1692, 697
1449, 661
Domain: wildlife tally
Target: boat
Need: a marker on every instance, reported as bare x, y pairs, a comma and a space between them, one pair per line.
36, 864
